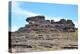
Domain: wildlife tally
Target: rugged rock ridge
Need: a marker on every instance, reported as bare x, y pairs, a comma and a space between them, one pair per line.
39, 22
43, 35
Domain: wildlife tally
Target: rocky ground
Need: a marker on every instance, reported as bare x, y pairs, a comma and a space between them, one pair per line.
43, 41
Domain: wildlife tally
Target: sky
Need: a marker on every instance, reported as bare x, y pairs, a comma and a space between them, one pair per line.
20, 10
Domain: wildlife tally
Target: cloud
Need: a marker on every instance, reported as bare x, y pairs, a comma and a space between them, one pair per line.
14, 28
18, 10
76, 24
55, 18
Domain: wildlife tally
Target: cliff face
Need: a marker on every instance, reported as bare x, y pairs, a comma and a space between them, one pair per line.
43, 35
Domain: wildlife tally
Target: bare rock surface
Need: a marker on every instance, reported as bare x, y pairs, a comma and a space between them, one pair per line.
44, 35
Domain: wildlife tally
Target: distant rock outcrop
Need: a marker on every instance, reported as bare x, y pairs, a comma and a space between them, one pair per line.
40, 22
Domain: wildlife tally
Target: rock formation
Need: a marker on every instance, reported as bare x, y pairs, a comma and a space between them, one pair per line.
40, 22
41, 35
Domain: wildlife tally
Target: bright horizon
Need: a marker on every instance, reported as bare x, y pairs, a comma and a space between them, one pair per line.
22, 10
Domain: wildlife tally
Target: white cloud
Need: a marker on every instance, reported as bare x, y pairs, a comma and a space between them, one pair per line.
14, 28
18, 10
76, 24
55, 18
